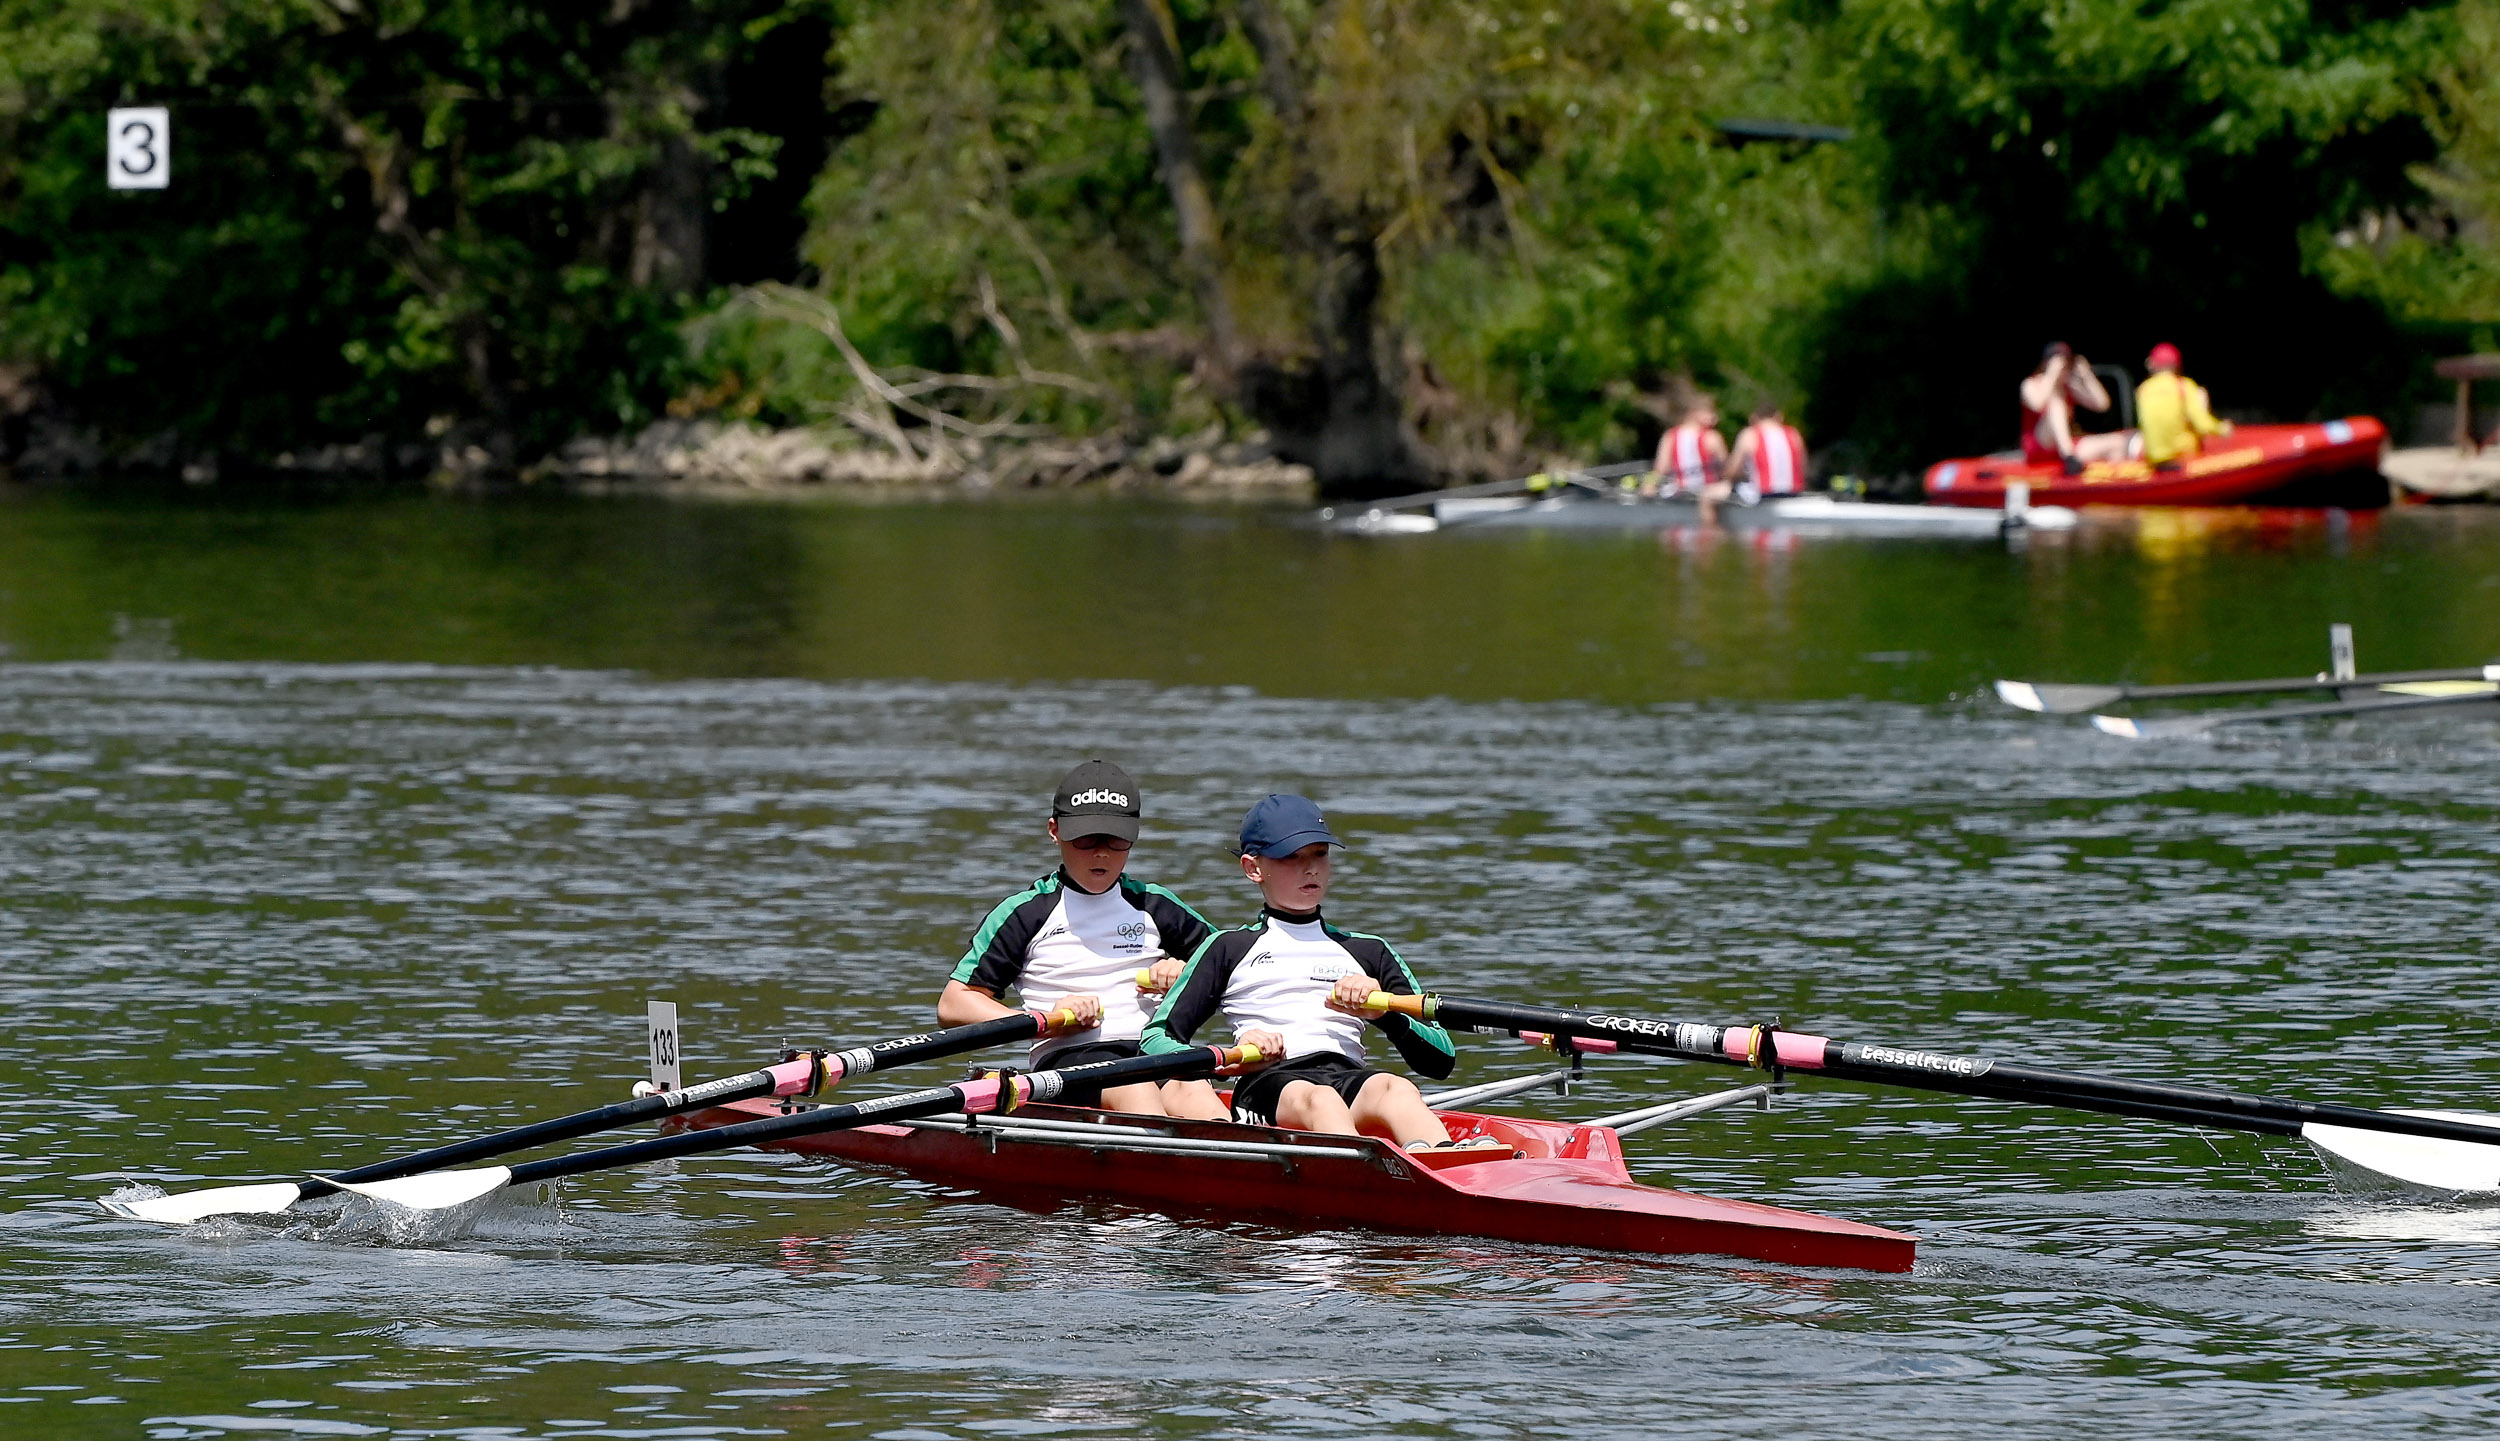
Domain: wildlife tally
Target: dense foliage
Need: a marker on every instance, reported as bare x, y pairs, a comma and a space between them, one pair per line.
385, 215
1506, 226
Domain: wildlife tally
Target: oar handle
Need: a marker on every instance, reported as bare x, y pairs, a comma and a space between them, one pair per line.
1421, 1008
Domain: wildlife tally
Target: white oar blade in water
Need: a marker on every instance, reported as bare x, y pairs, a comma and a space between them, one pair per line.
2056, 699
191, 1207
2412, 1163
433, 1191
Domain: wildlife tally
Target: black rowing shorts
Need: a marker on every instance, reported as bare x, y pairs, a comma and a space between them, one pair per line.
1254, 1100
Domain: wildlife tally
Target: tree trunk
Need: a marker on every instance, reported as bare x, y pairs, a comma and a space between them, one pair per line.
1157, 67
670, 217
1343, 415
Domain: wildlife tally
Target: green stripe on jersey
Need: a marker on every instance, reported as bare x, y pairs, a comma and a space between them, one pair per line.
1152, 889
1429, 1030
1157, 1039
998, 917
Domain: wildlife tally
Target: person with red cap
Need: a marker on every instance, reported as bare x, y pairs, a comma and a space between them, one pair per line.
2063, 381
2171, 412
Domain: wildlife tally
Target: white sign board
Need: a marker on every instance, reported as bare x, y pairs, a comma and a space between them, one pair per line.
664, 1075
138, 148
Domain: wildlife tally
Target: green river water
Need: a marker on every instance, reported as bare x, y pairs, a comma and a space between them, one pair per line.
336, 827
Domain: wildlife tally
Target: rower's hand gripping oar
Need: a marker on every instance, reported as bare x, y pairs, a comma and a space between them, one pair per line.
802, 1073
2440, 1151
988, 1095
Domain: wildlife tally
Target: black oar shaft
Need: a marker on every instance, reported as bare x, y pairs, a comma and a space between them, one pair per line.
976, 1097
826, 1070
933, 1045
2372, 706
562, 1128
2320, 681
1937, 1071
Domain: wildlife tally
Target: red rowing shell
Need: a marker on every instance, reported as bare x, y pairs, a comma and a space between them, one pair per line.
2247, 463
1567, 1187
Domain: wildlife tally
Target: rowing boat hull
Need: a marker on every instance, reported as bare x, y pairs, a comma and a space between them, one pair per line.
2248, 464
1568, 1187
1577, 509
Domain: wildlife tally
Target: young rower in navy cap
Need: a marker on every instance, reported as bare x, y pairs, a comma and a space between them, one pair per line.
1293, 985
1079, 937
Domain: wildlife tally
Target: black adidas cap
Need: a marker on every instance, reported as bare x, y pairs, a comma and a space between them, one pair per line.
1095, 799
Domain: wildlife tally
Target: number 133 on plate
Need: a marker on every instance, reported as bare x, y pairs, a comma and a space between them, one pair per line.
138, 148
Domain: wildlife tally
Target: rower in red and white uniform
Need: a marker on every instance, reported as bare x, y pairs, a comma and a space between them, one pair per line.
1691, 456
1091, 939
1770, 457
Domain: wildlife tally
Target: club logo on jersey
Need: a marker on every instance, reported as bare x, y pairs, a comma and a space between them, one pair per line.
1132, 933
1330, 972
1099, 797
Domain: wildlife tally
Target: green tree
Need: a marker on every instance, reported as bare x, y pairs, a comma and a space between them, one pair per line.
384, 213
2115, 174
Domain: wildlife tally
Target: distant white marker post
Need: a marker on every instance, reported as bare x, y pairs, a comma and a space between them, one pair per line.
138, 148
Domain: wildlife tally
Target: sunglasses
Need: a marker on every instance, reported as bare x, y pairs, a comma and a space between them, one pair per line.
1100, 843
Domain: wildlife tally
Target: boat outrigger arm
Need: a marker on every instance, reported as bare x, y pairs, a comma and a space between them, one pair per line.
2442, 1152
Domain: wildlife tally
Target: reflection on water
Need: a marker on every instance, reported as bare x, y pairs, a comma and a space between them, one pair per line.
271, 911
1188, 597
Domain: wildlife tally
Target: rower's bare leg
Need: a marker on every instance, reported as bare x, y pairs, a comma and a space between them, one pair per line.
1193, 1101
1391, 1106
1303, 1106
1142, 1099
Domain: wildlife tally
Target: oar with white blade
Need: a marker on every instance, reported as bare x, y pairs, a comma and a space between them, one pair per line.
2414, 1163
2055, 699
2171, 727
2445, 1151
446, 1190
807, 1073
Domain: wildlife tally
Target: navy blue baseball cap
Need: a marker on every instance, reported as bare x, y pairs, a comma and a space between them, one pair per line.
1282, 824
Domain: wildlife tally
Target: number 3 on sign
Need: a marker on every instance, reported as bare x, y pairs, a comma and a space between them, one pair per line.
138, 148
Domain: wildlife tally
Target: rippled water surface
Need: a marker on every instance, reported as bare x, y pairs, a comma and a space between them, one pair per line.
336, 830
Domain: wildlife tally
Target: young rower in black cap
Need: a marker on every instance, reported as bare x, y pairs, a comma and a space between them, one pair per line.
1078, 938
1293, 985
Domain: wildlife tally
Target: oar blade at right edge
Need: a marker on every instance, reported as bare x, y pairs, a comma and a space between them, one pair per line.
2056, 699
2379, 1160
187, 1208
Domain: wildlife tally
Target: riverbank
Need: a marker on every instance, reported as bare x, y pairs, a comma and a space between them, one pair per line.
710, 457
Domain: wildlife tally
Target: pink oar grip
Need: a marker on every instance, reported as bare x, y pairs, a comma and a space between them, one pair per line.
980, 1096
1588, 1045
1802, 1051
1788, 1048
793, 1077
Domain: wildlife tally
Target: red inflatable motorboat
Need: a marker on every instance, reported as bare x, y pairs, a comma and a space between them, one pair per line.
2242, 466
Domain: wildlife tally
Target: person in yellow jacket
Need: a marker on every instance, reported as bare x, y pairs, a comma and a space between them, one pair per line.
2171, 414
